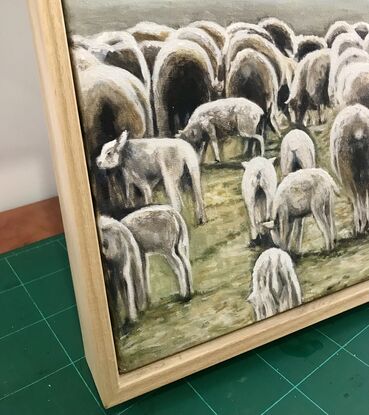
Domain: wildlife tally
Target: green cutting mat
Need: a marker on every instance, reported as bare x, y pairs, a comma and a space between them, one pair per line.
320, 370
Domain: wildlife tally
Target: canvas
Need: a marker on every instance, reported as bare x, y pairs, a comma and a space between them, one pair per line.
224, 149
208, 142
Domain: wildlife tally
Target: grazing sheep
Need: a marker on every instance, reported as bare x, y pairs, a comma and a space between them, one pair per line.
147, 162
217, 120
336, 81
362, 29
124, 276
130, 58
111, 99
259, 184
283, 36
309, 88
349, 148
203, 39
304, 192
216, 31
241, 41
150, 31
150, 50
353, 85
335, 30
183, 79
308, 44
275, 286
83, 59
297, 152
162, 230
253, 77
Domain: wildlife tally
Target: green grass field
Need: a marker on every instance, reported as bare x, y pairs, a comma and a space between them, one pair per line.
222, 264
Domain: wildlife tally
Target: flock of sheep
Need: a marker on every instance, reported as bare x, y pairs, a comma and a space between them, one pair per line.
204, 84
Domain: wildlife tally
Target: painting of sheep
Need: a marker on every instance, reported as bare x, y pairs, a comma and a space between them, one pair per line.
227, 147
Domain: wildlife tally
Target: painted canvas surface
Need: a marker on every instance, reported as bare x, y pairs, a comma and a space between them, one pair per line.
228, 151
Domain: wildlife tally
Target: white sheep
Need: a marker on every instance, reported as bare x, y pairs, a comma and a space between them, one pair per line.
306, 44
147, 162
336, 29
304, 192
341, 43
349, 149
362, 29
309, 88
297, 152
202, 38
282, 34
259, 184
215, 121
150, 31
83, 59
124, 277
348, 57
252, 76
275, 286
183, 78
161, 230
215, 30
353, 85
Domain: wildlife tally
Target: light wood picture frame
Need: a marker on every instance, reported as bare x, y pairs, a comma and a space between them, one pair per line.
82, 237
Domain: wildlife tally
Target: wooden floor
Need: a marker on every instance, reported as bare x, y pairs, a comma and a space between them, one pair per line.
31, 223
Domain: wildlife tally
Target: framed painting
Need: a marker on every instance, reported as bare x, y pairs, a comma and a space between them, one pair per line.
212, 166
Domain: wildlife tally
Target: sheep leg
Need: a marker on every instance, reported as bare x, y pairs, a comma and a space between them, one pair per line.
203, 149
253, 226
127, 293
285, 229
146, 191
182, 254
171, 186
146, 275
211, 131
194, 170
177, 266
298, 229
323, 225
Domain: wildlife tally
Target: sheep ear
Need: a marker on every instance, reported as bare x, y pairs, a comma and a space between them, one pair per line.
122, 140
244, 164
273, 160
268, 225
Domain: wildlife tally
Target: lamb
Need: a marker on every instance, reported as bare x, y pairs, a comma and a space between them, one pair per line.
310, 86
297, 152
161, 230
111, 99
259, 184
202, 38
304, 192
283, 36
353, 85
252, 76
362, 29
335, 30
183, 79
150, 31
348, 57
217, 120
216, 31
308, 44
124, 276
275, 286
349, 149
147, 162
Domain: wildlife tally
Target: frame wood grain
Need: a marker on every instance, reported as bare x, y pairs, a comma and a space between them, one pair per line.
81, 234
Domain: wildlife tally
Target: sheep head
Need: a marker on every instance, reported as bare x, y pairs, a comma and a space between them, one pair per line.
109, 157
